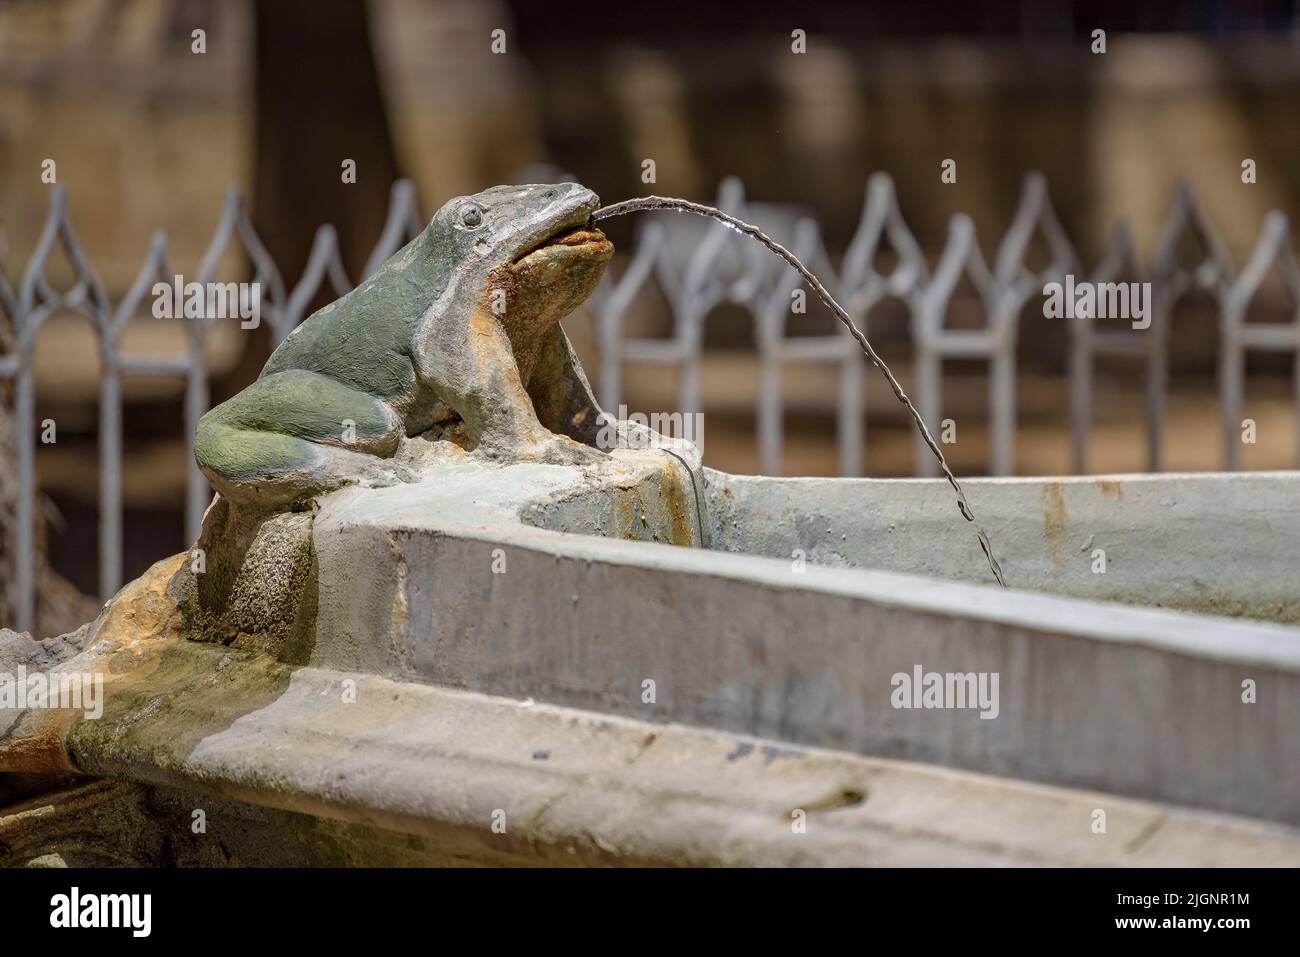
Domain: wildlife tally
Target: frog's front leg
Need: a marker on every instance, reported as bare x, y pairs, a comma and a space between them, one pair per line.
495, 406
294, 434
560, 392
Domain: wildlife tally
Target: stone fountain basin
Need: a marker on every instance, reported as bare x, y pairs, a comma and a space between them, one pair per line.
1221, 544
591, 605
556, 645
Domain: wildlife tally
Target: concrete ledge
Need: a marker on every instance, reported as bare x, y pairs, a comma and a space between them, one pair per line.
718, 695
441, 766
1132, 701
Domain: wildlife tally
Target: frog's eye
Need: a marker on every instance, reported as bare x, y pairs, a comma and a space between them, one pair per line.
471, 216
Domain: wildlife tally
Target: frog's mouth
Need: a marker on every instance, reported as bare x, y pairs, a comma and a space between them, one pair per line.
579, 244
547, 283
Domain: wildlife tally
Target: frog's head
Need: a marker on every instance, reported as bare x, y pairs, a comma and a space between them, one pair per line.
533, 240
523, 256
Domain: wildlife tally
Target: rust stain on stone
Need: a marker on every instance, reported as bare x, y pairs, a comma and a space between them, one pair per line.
674, 498
1111, 489
123, 646
1056, 523
36, 746
143, 610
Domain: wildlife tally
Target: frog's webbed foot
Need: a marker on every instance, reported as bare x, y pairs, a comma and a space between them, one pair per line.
539, 445
381, 473
562, 450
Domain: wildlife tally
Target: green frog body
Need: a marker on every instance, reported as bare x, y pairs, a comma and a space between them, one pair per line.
458, 333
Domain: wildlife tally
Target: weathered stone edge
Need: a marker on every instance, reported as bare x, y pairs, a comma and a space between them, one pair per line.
418, 760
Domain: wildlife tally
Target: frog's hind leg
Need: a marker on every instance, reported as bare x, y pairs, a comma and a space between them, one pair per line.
293, 434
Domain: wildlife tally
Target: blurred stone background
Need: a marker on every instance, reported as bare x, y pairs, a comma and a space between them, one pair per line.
147, 135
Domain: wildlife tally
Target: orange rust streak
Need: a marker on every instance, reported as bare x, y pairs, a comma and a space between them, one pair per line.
133, 630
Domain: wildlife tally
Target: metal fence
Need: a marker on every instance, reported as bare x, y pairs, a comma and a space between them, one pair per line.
714, 268
723, 268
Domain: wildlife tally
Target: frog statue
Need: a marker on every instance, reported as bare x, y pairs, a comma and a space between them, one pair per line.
457, 336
